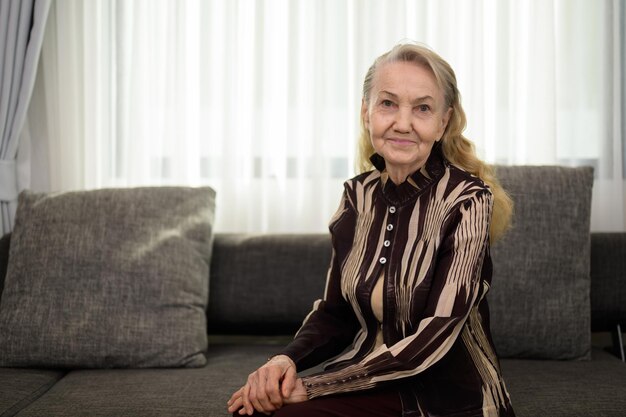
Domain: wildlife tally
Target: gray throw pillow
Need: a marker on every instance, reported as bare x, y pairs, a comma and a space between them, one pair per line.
539, 300
108, 278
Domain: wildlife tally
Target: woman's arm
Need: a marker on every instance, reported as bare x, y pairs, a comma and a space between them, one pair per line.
456, 287
326, 331
332, 325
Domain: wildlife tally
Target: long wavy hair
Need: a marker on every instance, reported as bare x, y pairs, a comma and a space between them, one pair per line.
456, 148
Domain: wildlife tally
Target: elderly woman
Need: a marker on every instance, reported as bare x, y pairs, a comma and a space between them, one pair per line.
403, 327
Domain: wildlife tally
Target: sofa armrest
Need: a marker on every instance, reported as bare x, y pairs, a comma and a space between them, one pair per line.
608, 281
5, 244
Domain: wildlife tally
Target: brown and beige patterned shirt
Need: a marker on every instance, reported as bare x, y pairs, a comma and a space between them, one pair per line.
426, 243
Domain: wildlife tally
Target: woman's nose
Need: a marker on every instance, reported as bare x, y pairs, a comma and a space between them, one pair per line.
402, 122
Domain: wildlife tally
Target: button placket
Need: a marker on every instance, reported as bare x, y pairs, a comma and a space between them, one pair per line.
387, 241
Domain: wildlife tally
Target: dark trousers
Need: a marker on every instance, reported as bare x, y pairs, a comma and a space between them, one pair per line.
365, 404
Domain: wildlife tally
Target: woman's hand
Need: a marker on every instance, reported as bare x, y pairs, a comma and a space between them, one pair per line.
298, 394
267, 388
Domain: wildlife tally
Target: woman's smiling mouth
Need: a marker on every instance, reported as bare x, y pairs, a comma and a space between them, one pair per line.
401, 142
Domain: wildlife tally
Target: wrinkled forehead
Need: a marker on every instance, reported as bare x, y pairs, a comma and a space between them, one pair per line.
408, 78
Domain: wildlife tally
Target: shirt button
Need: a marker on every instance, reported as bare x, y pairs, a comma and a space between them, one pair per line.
390, 227
386, 243
392, 209
382, 260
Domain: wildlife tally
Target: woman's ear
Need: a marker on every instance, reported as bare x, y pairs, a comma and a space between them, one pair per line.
445, 119
365, 117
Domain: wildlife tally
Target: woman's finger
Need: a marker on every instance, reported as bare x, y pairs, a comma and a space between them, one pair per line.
236, 394
289, 382
258, 395
236, 401
272, 386
298, 394
235, 405
245, 398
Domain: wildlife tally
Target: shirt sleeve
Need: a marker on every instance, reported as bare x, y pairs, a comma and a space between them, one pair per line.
332, 325
456, 287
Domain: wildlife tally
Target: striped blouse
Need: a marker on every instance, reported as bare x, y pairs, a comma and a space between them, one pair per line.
428, 240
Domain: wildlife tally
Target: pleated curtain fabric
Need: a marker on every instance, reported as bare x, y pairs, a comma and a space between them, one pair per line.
22, 25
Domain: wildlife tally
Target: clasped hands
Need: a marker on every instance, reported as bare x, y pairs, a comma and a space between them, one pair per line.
268, 388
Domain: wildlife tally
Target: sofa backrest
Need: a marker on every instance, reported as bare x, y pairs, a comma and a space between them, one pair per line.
234, 282
247, 298
265, 284
5, 246
540, 290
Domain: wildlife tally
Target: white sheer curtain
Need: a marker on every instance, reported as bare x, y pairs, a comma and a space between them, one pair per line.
260, 99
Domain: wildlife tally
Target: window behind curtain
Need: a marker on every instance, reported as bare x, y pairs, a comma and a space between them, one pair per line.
260, 99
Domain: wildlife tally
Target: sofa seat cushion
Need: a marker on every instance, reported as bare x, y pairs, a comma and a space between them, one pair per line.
108, 278
154, 392
20, 387
537, 387
593, 388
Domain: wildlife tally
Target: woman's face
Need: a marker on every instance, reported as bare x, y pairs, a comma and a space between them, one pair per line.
405, 116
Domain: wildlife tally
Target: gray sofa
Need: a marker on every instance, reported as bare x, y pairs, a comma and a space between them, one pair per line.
549, 317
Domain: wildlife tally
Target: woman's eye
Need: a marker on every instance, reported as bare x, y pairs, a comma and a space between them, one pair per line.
423, 107
387, 103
